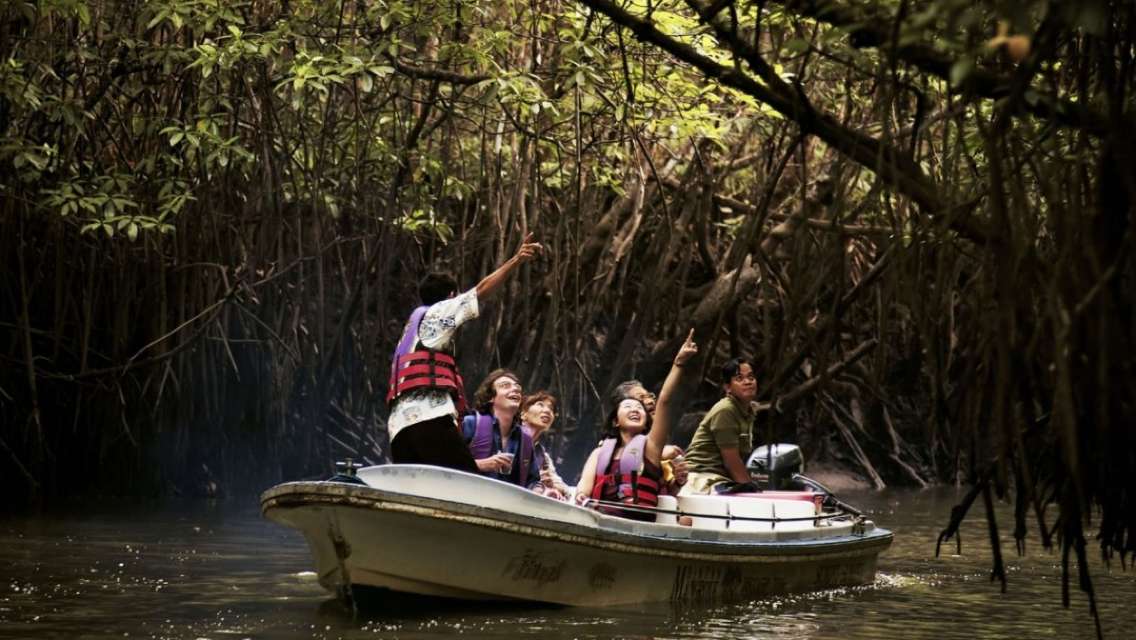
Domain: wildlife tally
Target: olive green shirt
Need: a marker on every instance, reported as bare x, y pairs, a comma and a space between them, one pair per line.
728, 425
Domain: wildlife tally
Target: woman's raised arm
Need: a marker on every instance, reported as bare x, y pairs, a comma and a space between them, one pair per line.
664, 412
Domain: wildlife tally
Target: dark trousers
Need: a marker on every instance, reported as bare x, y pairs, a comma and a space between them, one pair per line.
437, 442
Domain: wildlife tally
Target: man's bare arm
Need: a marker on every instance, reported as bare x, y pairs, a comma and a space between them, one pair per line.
492, 282
734, 465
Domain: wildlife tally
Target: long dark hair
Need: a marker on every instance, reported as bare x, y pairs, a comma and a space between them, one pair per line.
610, 429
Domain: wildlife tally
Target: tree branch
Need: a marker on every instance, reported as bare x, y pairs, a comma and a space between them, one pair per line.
889, 163
726, 202
423, 73
866, 30
813, 383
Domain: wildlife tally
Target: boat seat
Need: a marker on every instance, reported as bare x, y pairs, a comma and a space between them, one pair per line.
793, 509
668, 503
750, 508
806, 496
709, 505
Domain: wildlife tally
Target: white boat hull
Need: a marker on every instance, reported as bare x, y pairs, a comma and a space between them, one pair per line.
491, 540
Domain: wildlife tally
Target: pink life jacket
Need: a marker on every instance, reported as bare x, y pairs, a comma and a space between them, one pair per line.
482, 445
628, 484
424, 368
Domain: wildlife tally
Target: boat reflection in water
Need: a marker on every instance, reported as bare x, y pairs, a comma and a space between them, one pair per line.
437, 532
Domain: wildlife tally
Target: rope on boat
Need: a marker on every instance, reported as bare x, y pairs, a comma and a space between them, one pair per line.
644, 509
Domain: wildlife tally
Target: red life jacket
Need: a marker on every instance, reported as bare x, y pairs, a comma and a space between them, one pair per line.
629, 484
423, 368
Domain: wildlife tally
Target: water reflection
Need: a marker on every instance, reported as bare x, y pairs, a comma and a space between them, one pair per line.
197, 570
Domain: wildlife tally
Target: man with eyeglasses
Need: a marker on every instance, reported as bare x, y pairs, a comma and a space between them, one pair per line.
724, 438
635, 389
500, 447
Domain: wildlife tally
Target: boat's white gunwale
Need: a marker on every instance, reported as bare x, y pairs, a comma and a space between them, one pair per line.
302, 494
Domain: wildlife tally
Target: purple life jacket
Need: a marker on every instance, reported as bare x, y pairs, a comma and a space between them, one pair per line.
482, 445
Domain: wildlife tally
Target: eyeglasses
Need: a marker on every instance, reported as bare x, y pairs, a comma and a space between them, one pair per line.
506, 383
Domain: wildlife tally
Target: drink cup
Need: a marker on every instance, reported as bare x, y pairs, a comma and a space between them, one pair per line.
510, 457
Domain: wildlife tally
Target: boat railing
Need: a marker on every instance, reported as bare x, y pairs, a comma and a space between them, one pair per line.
637, 508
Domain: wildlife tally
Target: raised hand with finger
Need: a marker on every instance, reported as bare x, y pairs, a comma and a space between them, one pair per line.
528, 249
688, 350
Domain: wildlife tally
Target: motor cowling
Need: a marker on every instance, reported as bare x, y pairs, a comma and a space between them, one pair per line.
779, 462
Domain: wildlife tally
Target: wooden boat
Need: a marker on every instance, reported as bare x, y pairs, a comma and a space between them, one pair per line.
437, 532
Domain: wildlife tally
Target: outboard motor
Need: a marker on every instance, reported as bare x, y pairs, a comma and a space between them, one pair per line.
779, 462
783, 464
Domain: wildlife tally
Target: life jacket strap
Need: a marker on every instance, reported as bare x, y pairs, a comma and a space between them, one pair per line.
632, 488
427, 368
425, 355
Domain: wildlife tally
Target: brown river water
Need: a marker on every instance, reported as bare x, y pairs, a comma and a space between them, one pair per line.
218, 570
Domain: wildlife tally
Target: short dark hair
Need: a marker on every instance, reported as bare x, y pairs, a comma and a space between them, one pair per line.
733, 367
539, 396
483, 397
436, 287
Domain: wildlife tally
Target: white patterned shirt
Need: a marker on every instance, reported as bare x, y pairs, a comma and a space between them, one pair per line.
436, 331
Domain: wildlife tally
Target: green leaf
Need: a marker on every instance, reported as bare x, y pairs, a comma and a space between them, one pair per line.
796, 45
158, 17
960, 71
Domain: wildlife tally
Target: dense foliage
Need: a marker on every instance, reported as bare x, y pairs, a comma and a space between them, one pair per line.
915, 214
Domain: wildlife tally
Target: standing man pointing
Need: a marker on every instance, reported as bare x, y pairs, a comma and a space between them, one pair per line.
426, 394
